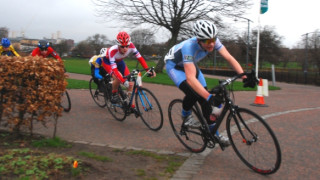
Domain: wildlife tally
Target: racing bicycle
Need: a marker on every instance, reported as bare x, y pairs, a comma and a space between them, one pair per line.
147, 106
250, 136
97, 93
65, 101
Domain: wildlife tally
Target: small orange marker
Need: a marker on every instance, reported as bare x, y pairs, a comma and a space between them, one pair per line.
75, 164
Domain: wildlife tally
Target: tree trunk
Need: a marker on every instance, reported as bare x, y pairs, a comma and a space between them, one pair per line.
160, 65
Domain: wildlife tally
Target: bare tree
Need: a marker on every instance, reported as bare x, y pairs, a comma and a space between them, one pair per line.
270, 45
62, 48
83, 49
314, 49
142, 37
174, 15
97, 41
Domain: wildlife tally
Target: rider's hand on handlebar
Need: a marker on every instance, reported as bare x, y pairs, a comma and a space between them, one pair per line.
126, 84
151, 72
215, 99
250, 81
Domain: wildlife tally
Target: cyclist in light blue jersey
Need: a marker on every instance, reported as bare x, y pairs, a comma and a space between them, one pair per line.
182, 69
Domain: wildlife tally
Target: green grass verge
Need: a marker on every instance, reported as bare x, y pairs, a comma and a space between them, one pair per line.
95, 157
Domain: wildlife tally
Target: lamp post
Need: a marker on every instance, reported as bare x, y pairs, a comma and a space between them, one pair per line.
248, 39
306, 58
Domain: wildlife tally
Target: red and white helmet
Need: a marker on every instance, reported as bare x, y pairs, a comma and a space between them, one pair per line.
123, 39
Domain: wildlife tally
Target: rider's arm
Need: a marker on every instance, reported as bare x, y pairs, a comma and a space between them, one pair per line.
13, 51
115, 71
35, 52
231, 60
54, 54
142, 62
137, 54
191, 71
97, 65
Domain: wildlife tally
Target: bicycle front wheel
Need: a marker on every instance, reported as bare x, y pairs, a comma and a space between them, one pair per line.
254, 141
96, 95
192, 139
117, 110
65, 101
149, 109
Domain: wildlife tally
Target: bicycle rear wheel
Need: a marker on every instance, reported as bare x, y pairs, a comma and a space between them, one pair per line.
65, 101
117, 110
192, 139
254, 141
149, 109
96, 95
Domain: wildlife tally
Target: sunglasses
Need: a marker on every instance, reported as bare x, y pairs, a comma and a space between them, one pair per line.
43, 49
124, 46
209, 41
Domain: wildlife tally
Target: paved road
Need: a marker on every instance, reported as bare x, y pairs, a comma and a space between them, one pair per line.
293, 114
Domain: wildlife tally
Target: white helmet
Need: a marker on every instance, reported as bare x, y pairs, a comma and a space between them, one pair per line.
103, 52
204, 29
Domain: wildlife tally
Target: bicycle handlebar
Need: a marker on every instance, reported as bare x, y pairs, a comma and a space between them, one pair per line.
136, 71
250, 76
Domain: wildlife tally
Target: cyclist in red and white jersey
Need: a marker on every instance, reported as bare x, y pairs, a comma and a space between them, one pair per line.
116, 66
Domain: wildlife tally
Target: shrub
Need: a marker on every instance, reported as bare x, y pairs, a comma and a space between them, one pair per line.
30, 90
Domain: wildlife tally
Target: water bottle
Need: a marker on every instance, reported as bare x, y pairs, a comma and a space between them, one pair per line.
216, 111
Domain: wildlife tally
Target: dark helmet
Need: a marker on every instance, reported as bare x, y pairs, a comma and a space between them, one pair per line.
43, 44
5, 42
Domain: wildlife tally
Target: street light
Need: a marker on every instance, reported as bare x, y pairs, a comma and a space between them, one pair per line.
248, 39
306, 59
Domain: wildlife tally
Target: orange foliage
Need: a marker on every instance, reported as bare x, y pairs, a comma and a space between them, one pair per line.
30, 89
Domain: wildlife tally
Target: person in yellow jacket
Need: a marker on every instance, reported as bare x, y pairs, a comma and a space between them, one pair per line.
6, 49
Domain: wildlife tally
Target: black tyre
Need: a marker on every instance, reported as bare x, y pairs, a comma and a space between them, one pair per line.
96, 95
117, 110
149, 109
192, 139
65, 101
253, 141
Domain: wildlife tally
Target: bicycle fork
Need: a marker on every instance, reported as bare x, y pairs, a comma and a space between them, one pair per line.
142, 94
241, 125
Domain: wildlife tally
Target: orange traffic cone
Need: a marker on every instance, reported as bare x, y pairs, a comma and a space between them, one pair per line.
259, 98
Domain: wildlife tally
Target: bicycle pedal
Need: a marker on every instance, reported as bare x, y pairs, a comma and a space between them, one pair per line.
211, 145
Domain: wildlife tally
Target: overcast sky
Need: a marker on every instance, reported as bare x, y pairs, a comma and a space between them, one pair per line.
75, 19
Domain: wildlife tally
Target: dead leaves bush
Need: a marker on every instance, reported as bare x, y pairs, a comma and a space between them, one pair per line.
30, 89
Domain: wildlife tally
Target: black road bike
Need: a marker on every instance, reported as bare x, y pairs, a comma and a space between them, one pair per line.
250, 136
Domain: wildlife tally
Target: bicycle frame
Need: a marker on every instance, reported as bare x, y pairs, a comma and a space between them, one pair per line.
136, 91
229, 106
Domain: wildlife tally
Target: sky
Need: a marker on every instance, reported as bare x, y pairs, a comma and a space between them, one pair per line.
76, 19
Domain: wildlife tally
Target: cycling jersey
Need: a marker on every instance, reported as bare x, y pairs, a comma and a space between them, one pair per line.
114, 58
50, 51
188, 51
96, 61
9, 52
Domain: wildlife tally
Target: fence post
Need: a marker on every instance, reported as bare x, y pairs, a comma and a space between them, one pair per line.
273, 75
